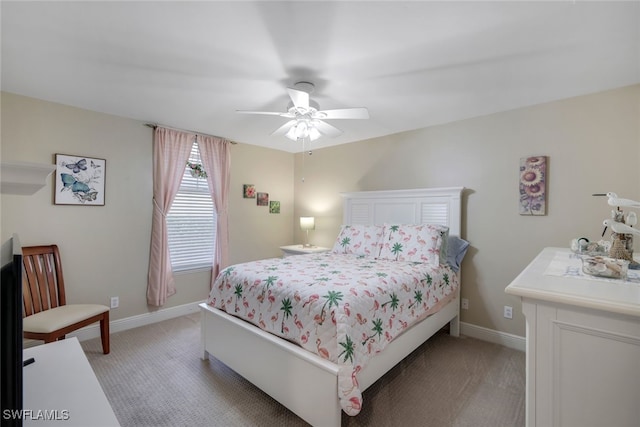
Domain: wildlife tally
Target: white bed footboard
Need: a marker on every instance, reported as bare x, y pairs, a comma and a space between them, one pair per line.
265, 360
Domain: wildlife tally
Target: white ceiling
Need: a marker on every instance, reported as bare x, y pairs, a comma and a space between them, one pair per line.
413, 64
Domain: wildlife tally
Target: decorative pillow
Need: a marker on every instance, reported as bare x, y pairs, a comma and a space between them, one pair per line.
456, 250
359, 239
416, 243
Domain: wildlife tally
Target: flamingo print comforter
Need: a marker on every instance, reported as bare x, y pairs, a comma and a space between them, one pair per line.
343, 307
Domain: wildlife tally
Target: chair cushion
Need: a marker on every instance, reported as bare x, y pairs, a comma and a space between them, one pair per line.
60, 317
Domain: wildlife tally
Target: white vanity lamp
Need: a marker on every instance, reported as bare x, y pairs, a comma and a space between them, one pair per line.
307, 223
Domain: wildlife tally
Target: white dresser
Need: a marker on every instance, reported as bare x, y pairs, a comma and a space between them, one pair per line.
583, 345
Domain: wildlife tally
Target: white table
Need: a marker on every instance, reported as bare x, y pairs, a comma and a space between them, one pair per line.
583, 346
302, 250
61, 385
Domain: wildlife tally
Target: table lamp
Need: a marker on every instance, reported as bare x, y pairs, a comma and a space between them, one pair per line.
307, 223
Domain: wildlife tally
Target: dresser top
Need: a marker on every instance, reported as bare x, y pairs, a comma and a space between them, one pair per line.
535, 282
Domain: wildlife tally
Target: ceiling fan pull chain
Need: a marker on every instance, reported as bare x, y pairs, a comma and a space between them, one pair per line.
304, 141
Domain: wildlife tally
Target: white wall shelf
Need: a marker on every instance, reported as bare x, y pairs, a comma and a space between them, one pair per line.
23, 178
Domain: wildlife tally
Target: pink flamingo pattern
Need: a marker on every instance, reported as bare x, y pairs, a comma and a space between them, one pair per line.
343, 307
414, 242
359, 239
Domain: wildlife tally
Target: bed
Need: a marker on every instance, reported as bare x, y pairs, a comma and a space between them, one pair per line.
295, 360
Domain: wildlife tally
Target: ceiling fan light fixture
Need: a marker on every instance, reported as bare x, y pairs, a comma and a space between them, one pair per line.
307, 120
297, 131
314, 134
303, 129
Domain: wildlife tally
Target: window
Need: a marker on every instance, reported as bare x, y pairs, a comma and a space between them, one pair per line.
191, 222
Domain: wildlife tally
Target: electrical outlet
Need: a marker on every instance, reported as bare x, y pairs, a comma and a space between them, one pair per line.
465, 304
508, 312
115, 302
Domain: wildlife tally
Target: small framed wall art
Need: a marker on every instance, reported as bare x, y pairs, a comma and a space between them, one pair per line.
274, 207
79, 180
249, 191
263, 199
533, 185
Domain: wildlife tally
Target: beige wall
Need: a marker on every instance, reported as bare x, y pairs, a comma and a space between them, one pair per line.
593, 144
105, 250
254, 232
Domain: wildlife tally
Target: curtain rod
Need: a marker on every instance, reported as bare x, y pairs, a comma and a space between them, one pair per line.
153, 126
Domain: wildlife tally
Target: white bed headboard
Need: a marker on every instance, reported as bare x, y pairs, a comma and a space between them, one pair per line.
418, 206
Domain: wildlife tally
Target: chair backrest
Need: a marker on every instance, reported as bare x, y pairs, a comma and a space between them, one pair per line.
42, 283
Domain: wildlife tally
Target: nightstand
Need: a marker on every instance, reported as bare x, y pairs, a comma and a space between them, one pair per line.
302, 250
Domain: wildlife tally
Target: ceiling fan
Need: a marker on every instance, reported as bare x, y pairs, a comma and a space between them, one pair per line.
307, 120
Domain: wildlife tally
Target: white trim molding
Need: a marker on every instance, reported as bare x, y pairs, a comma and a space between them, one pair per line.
515, 342
93, 331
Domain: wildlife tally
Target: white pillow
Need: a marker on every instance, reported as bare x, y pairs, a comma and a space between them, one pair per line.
359, 239
413, 242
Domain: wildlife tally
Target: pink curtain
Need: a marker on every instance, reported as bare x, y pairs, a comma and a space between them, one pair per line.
216, 159
171, 149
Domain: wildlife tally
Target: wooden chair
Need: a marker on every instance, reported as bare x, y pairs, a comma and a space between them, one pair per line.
47, 316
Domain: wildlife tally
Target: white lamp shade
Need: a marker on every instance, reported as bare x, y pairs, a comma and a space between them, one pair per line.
303, 129
313, 134
307, 223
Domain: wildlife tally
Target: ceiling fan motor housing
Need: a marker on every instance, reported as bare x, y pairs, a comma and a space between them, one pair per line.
313, 108
305, 87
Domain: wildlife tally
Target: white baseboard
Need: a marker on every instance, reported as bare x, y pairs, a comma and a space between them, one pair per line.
508, 340
93, 331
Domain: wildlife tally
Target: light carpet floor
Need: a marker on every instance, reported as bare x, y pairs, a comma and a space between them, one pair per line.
154, 376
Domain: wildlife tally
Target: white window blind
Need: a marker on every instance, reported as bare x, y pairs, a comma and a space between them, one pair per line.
191, 222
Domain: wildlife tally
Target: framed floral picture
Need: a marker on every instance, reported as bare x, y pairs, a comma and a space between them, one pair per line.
249, 191
79, 180
263, 199
274, 207
533, 185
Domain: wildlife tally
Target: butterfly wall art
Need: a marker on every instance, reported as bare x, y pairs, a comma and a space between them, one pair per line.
79, 180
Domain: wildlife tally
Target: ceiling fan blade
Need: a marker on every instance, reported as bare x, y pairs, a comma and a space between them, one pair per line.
327, 129
299, 98
284, 128
344, 113
267, 113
